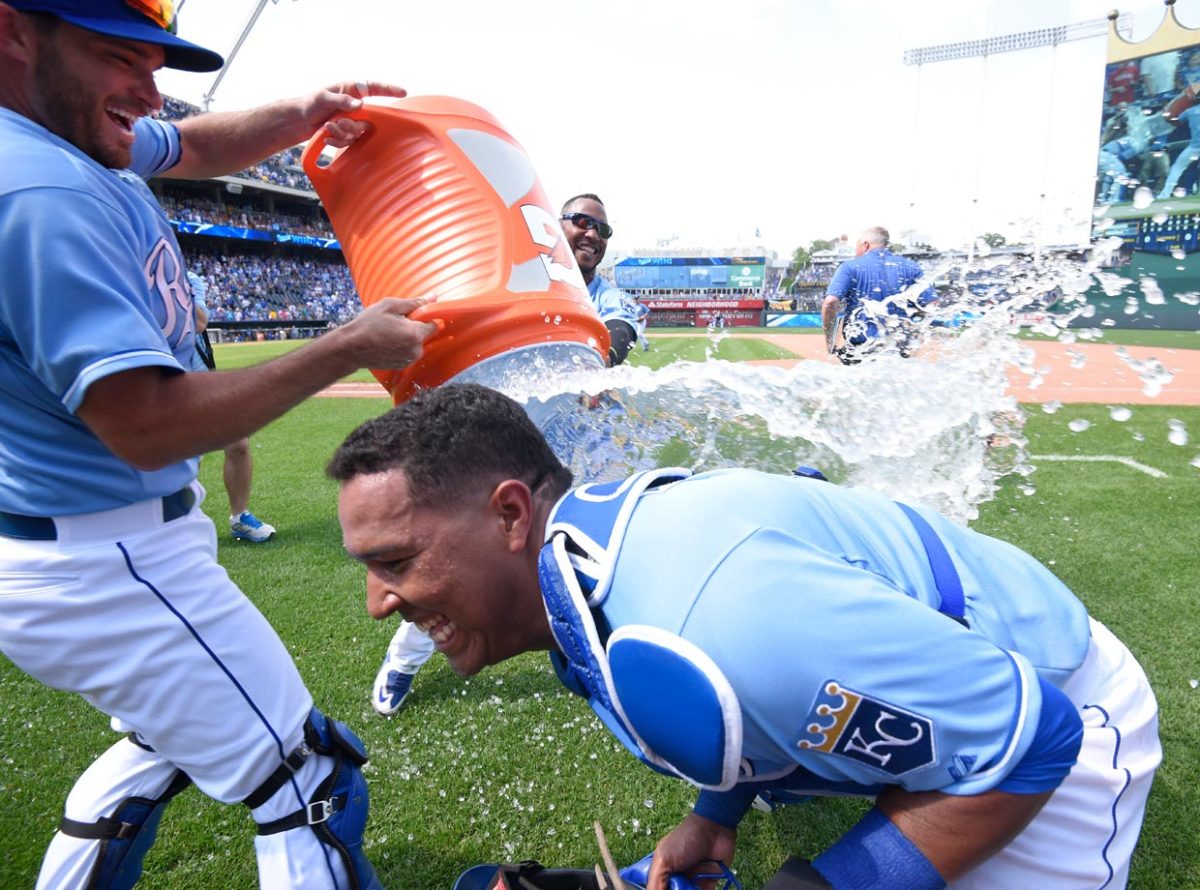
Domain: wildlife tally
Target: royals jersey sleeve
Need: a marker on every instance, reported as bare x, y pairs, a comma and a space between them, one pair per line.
156, 147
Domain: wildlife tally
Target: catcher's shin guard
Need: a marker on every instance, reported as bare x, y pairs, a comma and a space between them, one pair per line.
124, 837
337, 813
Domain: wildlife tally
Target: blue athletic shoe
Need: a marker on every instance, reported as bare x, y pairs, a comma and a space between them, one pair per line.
248, 527
391, 689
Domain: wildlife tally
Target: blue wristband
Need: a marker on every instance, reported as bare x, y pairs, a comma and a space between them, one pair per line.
875, 855
726, 807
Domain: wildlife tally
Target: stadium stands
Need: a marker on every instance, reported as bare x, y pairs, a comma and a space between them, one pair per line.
265, 246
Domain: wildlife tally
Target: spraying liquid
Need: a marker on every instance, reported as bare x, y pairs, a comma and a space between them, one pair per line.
941, 428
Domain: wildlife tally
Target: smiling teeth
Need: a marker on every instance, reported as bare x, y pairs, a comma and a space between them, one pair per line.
126, 116
439, 629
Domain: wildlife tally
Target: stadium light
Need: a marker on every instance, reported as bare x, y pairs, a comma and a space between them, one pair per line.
212, 91
990, 46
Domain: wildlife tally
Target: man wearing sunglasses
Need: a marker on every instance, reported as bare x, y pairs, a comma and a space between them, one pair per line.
109, 584
585, 223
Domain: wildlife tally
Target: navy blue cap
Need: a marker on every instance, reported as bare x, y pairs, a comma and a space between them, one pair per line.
146, 21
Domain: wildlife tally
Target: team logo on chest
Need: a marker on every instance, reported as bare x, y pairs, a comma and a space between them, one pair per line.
842, 721
166, 278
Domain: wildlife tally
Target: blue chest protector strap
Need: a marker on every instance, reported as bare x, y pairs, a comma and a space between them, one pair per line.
945, 576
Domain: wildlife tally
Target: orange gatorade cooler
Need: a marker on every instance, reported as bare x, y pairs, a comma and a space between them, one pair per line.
438, 199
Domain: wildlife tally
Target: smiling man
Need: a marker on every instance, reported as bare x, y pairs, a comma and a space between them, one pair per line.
770, 636
109, 584
585, 223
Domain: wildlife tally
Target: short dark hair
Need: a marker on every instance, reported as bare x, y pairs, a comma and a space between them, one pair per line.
450, 440
586, 196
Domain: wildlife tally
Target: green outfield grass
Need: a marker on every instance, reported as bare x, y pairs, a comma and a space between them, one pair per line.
506, 765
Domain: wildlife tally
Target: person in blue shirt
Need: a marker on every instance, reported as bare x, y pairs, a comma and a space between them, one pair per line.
771, 636
110, 586
875, 294
585, 223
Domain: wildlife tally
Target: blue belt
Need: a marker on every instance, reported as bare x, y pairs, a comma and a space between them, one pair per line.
41, 528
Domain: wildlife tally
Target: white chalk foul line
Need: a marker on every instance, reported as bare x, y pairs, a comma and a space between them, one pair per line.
1102, 458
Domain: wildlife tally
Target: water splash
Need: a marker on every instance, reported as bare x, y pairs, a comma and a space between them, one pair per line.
941, 428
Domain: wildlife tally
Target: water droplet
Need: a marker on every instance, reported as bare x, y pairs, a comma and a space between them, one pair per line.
1120, 414
1177, 433
648, 804
1152, 290
1195, 462
1194, 683
1143, 197
1052, 406
1160, 218
1191, 298
1078, 425
1131, 305
1139, 437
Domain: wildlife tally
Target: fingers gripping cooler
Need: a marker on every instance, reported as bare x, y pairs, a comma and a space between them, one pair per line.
438, 199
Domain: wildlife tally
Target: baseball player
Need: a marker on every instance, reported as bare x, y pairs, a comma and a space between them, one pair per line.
772, 636
110, 586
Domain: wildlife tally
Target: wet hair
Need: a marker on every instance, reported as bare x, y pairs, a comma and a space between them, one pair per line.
586, 196
450, 441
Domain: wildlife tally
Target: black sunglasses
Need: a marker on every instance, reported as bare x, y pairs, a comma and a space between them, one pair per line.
589, 222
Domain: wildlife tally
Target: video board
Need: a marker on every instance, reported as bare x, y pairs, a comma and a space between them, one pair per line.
690, 273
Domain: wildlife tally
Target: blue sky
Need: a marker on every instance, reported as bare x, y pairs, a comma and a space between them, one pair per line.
705, 120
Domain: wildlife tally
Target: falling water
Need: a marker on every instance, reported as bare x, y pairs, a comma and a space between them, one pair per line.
940, 428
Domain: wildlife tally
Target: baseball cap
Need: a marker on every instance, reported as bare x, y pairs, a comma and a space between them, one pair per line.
147, 21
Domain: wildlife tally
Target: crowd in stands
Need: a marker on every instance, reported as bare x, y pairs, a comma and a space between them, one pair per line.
813, 275
203, 210
281, 169
245, 287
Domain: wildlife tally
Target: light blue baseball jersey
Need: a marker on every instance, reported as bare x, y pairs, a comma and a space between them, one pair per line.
610, 301
93, 285
820, 607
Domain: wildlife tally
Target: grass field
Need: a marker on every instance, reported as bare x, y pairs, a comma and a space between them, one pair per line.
506, 765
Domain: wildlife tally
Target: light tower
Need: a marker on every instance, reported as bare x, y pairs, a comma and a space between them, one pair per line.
212, 91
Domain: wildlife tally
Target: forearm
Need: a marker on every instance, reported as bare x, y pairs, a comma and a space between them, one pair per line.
220, 143
151, 418
829, 317
933, 822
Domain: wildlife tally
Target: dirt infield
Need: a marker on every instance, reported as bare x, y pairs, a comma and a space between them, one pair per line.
1102, 377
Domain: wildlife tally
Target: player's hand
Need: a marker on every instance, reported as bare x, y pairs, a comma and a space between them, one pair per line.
383, 336
322, 107
691, 842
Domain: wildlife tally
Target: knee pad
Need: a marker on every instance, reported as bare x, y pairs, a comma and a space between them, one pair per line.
124, 837
337, 814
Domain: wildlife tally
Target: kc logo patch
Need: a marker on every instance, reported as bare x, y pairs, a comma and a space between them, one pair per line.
870, 731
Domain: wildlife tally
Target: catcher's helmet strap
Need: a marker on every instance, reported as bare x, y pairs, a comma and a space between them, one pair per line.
594, 517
